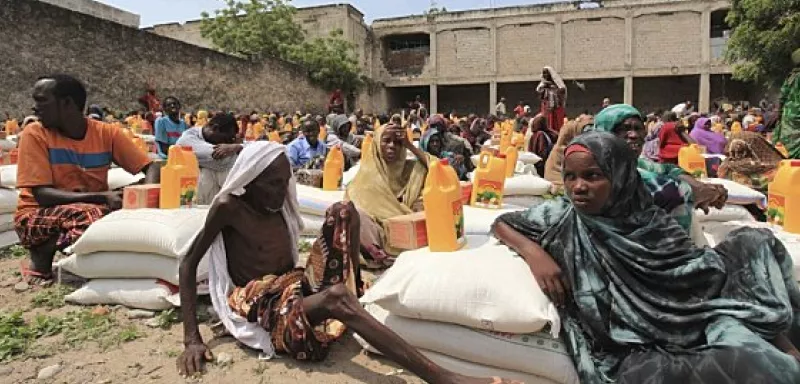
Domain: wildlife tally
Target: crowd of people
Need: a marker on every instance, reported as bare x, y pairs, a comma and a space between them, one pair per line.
638, 300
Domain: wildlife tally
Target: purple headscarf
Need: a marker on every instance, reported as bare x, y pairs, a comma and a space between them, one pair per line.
714, 142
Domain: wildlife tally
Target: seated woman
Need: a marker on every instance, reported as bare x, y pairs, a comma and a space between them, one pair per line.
552, 168
444, 145
750, 160
638, 302
540, 140
703, 135
387, 185
673, 190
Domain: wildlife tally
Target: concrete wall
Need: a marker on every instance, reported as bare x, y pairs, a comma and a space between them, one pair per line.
596, 44
115, 61
520, 47
96, 9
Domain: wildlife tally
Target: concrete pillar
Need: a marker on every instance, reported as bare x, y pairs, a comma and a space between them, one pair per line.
704, 98
434, 107
492, 96
433, 57
493, 47
705, 38
628, 42
558, 65
628, 90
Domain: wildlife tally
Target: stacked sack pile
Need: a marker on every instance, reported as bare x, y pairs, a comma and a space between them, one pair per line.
487, 317
132, 256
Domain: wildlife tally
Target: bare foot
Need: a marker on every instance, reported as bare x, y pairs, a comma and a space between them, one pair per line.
35, 278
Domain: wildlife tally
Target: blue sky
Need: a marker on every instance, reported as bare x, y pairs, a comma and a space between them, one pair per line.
165, 11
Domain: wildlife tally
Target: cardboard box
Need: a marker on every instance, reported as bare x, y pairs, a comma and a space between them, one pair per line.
407, 232
141, 196
309, 177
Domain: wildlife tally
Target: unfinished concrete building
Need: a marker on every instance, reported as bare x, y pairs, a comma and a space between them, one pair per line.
651, 53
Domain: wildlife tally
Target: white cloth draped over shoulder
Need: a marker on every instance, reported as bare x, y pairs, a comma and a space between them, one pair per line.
251, 162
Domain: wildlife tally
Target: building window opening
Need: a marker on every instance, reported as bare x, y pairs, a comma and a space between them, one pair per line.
406, 55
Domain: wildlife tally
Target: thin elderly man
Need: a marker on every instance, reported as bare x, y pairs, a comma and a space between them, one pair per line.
262, 298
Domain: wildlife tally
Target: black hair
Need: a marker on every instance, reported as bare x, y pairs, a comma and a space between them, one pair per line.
68, 87
223, 122
309, 124
383, 119
173, 98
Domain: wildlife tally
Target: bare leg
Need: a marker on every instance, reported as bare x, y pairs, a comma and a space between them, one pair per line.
41, 267
337, 303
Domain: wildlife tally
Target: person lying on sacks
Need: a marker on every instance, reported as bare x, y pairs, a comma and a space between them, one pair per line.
62, 173
214, 144
638, 301
264, 300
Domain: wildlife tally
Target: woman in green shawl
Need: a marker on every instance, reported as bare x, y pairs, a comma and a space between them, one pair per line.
672, 188
638, 301
788, 131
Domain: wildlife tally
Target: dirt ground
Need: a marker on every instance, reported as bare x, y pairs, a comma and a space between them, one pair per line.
133, 352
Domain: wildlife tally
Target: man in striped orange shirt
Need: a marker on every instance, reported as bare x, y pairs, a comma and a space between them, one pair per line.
63, 172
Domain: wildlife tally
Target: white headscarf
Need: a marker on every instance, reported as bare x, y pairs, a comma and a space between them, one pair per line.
252, 161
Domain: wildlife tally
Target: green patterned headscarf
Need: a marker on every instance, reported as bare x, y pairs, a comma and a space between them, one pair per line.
613, 115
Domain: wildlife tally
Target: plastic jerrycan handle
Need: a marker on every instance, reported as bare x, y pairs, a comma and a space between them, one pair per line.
483, 161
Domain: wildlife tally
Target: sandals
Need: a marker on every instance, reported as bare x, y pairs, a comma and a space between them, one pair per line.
35, 278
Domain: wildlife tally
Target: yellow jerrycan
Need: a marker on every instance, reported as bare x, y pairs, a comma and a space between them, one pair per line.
274, 137
334, 168
366, 146
784, 197
736, 127
444, 209
171, 174
489, 181
691, 159
190, 177
323, 133
512, 154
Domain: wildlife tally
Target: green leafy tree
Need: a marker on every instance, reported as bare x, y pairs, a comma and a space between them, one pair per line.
259, 28
331, 62
254, 28
765, 32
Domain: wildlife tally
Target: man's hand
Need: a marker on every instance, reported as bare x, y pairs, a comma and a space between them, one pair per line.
458, 159
193, 359
113, 200
222, 151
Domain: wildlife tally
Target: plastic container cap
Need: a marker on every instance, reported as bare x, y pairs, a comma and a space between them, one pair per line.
501, 155
445, 161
